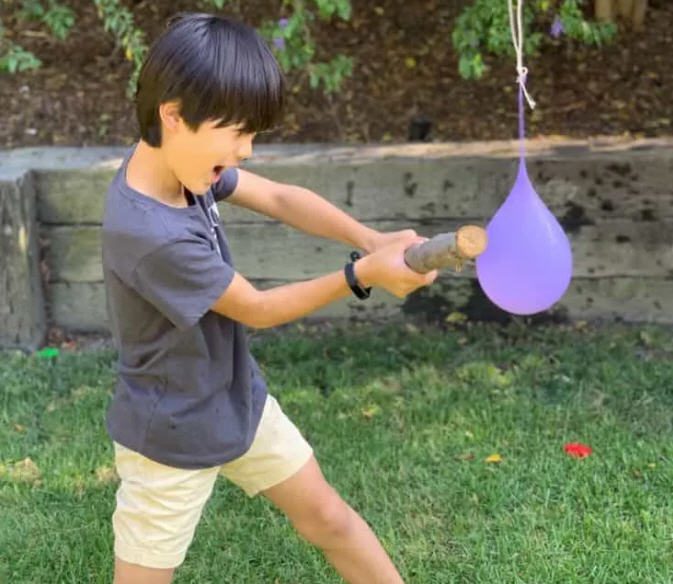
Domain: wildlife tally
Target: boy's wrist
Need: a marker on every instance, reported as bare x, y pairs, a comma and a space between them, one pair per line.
368, 239
363, 272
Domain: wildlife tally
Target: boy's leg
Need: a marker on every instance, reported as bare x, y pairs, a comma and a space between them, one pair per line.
280, 464
126, 573
158, 508
323, 518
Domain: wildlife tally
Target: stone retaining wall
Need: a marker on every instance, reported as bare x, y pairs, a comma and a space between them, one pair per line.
614, 198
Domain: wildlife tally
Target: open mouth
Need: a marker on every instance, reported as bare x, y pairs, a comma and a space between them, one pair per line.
217, 172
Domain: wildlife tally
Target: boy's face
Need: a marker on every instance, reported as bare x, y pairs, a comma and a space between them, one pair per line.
198, 158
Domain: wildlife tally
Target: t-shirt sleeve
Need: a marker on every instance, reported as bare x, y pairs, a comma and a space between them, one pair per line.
182, 279
226, 185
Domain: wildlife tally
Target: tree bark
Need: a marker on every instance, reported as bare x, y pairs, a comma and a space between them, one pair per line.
625, 9
604, 10
638, 16
631, 11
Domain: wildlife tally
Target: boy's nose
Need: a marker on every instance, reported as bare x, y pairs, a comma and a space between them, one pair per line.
245, 150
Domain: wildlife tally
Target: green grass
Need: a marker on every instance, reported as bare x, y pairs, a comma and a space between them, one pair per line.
402, 422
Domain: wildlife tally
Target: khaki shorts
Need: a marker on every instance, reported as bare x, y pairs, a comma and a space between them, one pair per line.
159, 506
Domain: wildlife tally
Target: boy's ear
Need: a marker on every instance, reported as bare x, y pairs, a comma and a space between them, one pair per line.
169, 112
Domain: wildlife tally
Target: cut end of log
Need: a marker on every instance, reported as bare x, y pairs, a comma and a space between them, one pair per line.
471, 241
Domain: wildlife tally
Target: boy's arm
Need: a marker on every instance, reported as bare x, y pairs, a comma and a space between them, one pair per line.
305, 210
386, 268
268, 308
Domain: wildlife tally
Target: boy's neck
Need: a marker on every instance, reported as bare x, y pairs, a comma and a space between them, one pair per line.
148, 173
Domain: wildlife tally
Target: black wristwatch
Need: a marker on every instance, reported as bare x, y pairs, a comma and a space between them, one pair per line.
349, 269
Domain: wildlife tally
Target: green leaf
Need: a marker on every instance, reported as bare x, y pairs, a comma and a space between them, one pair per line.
17, 59
60, 19
483, 28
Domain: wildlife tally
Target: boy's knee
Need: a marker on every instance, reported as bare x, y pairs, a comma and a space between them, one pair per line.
326, 522
127, 573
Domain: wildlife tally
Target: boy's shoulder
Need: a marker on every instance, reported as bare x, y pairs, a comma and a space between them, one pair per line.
133, 227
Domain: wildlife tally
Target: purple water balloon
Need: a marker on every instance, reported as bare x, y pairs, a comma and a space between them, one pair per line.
527, 265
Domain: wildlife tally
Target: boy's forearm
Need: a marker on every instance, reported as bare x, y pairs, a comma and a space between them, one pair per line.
290, 302
309, 212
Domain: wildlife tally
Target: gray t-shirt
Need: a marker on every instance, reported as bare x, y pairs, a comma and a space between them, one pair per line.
189, 394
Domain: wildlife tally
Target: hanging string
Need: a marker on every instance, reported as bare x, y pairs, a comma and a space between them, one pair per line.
516, 28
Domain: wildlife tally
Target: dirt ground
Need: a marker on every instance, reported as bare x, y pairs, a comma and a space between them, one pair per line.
405, 68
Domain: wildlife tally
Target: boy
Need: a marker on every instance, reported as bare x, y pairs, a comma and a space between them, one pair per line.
190, 401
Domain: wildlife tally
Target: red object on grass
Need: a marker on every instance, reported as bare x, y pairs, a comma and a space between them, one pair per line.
577, 449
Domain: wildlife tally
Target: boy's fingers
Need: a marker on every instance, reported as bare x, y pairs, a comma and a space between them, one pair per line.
430, 277
416, 240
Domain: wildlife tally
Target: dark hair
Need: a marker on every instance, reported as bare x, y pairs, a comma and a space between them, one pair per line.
218, 69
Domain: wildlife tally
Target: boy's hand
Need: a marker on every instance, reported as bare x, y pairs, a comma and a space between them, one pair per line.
387, 269
380, 239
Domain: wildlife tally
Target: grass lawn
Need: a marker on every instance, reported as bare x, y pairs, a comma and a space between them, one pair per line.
402, 422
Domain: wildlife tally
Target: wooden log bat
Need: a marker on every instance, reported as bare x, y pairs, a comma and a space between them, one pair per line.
447, 250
